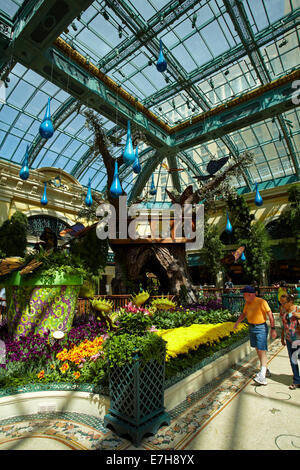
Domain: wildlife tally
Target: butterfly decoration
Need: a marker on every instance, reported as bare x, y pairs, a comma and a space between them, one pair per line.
170, 170
48, 240
72, 231
232, 257
187, 193
212, 167
76, 231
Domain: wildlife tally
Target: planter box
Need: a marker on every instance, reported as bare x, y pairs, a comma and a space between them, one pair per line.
137, 399
39, 304
60, 279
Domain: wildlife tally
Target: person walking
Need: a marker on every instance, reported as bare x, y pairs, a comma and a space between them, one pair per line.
290, 334
257, 310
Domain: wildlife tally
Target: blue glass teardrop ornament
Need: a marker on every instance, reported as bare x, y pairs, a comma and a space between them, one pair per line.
136, 166
161, 63
128, 154
228, 228
24, 172
243, 257
116, 188
46, 129
44, 199
258, 199
89, 199
152, 190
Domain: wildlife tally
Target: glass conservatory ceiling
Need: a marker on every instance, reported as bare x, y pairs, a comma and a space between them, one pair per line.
210, 62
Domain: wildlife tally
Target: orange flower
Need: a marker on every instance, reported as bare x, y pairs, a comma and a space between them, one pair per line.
64, 367
41, 374
76, 375
86, 348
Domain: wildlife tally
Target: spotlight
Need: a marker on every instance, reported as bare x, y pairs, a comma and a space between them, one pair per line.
226, 72
74, 26
120, 31
105, 15
149, 62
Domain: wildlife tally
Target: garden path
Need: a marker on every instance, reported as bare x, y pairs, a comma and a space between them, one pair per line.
230, 413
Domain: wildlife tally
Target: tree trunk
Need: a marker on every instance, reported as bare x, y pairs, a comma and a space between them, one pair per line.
167, 261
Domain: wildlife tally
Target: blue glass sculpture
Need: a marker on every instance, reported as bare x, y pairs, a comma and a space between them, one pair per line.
243, 257
116, 189
24, 172
228, 228
44, 199
89, 199
258, 199
152, 190
128, 154
161, 63
136, 166
46, 128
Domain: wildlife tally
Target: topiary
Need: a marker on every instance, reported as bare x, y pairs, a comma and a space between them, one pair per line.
162, 303
140, 298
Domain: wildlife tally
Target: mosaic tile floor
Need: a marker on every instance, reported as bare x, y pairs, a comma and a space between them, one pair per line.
189, 421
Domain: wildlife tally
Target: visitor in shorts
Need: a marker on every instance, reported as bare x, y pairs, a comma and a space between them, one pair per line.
290, 334
257, 310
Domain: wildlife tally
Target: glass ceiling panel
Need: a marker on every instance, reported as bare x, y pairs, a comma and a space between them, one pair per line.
10, 7
202, 34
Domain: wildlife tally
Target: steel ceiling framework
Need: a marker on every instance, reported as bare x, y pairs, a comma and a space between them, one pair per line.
28, 40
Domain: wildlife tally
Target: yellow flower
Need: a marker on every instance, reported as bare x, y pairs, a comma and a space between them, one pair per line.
41, 374
76, 375
183, 339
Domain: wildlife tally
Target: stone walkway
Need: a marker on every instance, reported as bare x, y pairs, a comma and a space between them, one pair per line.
230, 413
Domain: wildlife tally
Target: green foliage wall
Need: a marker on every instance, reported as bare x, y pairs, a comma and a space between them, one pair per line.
13, 235
213, 250
291, 217
252, 235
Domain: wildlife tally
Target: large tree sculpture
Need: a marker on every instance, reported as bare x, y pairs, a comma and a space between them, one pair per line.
167, 261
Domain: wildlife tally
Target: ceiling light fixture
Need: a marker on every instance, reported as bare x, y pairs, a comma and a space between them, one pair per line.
194, 19
105, 15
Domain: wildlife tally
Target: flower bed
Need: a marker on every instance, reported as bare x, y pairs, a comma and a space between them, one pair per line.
184, 339
82, 357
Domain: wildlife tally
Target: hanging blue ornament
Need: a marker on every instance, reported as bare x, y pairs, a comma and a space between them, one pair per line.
161, 64
136, 166
258, 199
24, 172
228, 228
243, 257
116, 188
44, 199
89, 199
128, 154
46, 129
152, 190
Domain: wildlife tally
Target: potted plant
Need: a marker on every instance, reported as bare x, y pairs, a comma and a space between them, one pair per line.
136, 358
43, 300
42, 287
